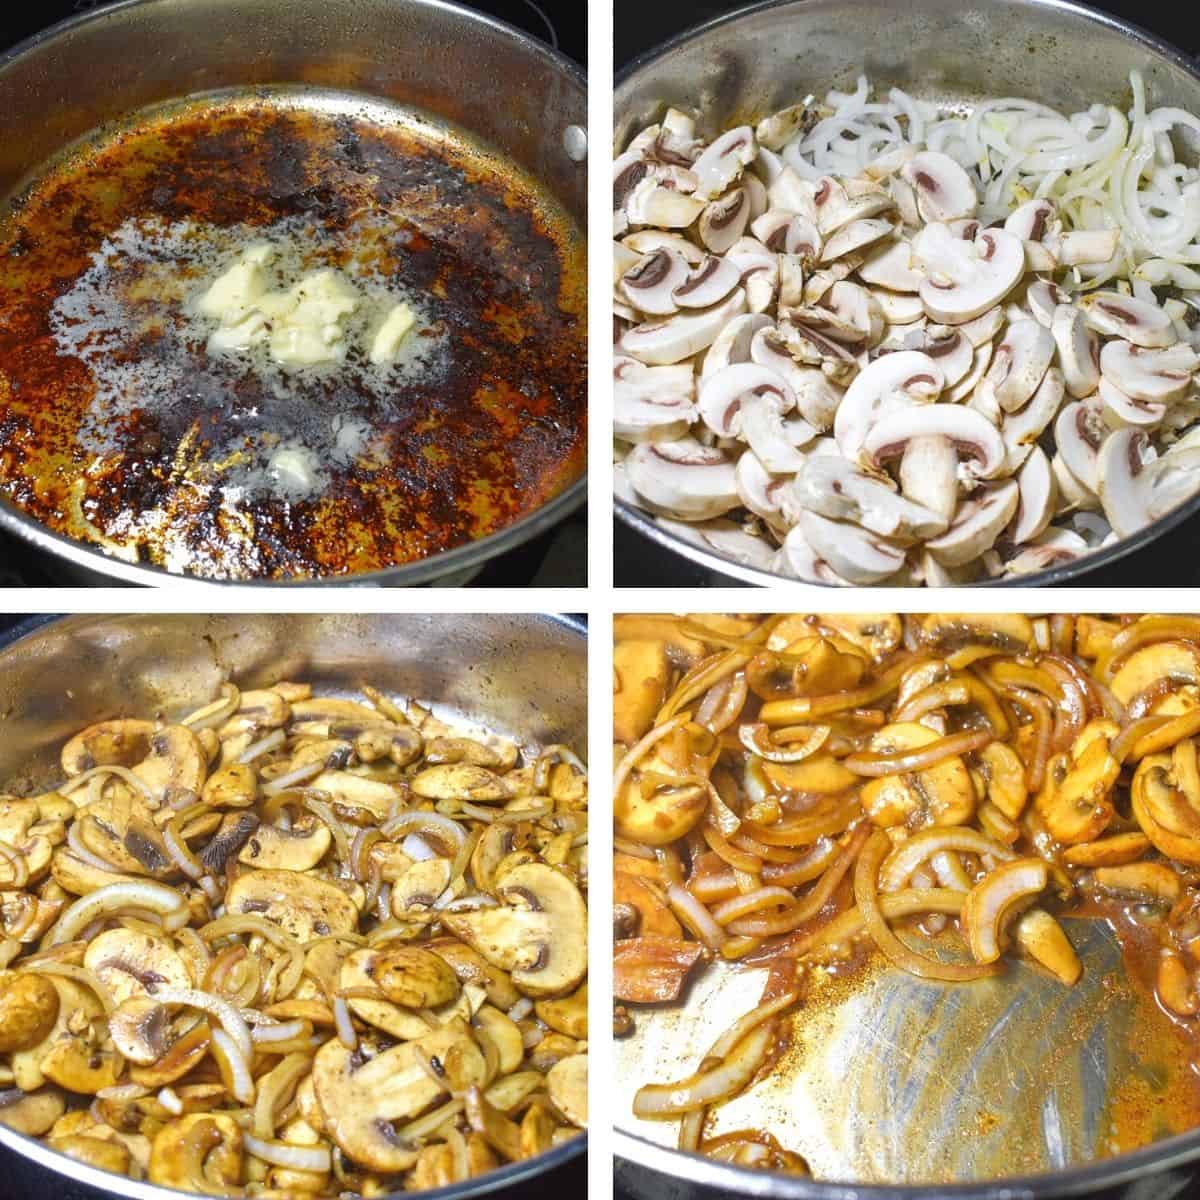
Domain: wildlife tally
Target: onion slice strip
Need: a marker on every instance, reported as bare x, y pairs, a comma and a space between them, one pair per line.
922, 846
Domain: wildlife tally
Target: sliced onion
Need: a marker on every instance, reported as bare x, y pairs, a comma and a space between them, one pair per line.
275, 1089
343, 1024
710, 1085
341, 839
430, 825
997, 897
81, 975
417, 848
283, 1031
20, 868
136, 782
216, 712
752, 902
264, 745
233, 1065
757, 739
909, 856
220, 1010
874, 763
521, 1009
170, 1100
866, 897
695, 916
284, 1154
141, 894
299, 775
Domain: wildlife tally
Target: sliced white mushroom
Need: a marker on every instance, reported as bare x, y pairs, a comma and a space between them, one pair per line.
647, 241
649, 285
944, 190
1033, 220
899, 308
929, 474
1086, 247
727, 538
980, 447
1137, 321
983, 328
660, 343
789, 191
839, 202
963, 279
796, 558
888, 266
1079, 432
905, 197
1120, 409
1157, 375
724, 392
1051, 548
977, 525
722, 161
759, 490
948, 346
788, 232
1019, 362
757, 201
624, 258
1172, 479
1120, 464
855, 236
1043, 296
708, 284
835, 488
893, 381
653, 203
1073, 493
684, 478
732, 344
773, 436
817, 398
1078, 350
652, 403
724, 220
760, 272
1020, 430
856, 554
1038, 493
779, 128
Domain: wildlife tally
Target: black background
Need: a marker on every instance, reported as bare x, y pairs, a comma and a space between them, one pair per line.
1171, 561
558, 558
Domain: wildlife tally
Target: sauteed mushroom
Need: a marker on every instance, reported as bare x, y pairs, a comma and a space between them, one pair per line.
297, 945
796, 792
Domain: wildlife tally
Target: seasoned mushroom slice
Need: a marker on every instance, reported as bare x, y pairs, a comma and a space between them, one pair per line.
303, 905
200, 1152
538, 935
685, 478
566, 1082
177, 763
297, 848
110, 743
131, 963
461, 781
361, 1097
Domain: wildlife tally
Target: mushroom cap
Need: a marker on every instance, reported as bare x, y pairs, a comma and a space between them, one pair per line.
1032, 220
1137, 321
1078, 434
131, 963
978, 523
732, 344
1043, 296
944, 190
948, 346
856, 554
894, 381
660, 343
567, 1084
758, 490
978, 441
110, 743
724, 220
683, 478
538, 934
817, 396
835, 488
1120, 409
963, 279
797, 559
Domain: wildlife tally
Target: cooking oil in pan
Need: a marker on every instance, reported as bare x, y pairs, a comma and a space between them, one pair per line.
120, 425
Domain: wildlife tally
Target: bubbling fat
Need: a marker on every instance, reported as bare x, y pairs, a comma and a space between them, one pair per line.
133, 318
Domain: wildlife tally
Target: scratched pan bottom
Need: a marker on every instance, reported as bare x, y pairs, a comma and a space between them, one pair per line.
891, 1079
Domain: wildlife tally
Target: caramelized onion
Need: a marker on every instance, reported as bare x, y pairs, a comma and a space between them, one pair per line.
877, 762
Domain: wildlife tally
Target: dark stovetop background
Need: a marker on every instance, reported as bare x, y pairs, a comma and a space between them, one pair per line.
557, 558
1169, 562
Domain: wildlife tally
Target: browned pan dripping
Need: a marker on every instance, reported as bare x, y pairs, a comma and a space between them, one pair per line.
467, 450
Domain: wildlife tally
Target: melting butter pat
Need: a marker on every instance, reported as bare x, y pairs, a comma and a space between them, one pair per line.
391, 333
302, 326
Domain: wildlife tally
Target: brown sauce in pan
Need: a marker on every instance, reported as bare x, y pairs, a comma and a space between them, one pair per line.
462, 443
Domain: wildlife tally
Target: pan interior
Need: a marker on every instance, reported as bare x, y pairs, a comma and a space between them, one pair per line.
888, 1078
123, 430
